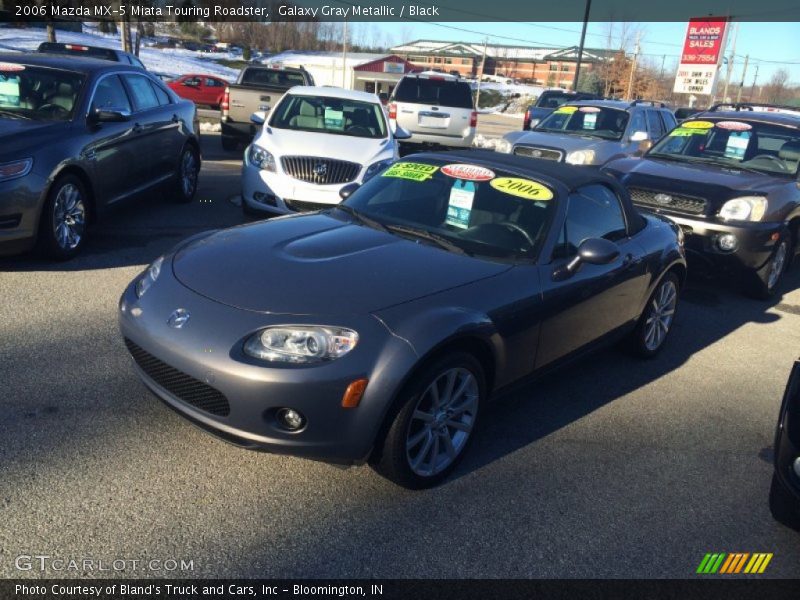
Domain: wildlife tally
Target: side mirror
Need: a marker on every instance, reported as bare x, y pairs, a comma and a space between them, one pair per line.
258, 117
109, 115
644, 146
592, 251
639, 136
401, 134
348, 190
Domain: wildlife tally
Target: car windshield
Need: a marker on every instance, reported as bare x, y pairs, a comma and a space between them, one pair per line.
740, 143
433, 91
463, 208
594, 121
38, 93
338, 116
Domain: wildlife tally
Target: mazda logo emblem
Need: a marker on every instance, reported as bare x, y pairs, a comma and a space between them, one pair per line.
320, 169
178, 318
663, 198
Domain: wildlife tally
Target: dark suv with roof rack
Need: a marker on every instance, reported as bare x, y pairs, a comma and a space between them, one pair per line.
729, 178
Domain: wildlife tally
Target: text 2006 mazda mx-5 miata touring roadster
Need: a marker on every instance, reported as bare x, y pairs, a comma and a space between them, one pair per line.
378, 329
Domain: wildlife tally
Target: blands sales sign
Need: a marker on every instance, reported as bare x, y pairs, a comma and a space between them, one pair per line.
702, 52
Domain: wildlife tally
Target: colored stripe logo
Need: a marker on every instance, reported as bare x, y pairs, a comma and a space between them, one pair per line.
734, 563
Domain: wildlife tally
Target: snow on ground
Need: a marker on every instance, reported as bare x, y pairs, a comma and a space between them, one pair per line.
206, 127
170, 61
489, 143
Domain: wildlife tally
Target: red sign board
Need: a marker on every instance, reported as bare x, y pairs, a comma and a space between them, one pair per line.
704, 43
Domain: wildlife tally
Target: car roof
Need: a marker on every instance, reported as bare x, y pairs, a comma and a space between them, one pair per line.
761, 116
333, 92
66, 62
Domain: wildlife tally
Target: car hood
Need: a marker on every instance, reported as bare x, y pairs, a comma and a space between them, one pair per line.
284, 142
565, 142
712, 182
317, 264
21, 138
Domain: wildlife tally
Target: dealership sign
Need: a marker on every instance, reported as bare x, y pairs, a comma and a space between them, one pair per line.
701, 56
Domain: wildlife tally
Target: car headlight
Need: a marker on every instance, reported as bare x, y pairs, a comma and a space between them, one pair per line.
302, 344
18, 168
504, 146
376, 168
746, 208
149, 277
580, 157
261, 158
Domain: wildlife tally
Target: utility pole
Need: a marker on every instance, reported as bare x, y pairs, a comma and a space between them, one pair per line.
741, 85
480, 75
661, 73
731, 58
753, 88
344, 56
580, 48
629, 93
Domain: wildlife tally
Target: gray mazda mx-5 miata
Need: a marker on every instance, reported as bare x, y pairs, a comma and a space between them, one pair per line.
377, 330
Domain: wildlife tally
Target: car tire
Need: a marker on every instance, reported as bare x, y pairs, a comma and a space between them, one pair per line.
188, 175
765, 282
657, 318
229, 143
427, 439
783, 506
62, 223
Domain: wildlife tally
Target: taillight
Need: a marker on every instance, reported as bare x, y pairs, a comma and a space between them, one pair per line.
393, 110
226, 99
75, 47
473, 119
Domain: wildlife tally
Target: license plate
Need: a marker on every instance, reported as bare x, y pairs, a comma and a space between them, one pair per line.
434, 122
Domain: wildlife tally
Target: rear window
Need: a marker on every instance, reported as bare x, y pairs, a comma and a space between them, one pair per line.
439, 92
272, 77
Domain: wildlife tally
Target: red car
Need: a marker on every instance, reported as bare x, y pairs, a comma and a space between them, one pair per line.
200, 89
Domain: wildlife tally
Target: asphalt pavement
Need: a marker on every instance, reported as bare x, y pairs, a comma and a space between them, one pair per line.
614, 467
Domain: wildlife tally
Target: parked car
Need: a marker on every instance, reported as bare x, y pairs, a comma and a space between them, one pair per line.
126, 58
784, 493
437, 110
548, 101
256, 90
77, 135
730, 180
378, 329
200, 89
592, 132
316, 140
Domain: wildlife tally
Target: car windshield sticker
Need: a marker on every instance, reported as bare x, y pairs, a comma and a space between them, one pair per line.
589, 109
9, 91
734, 125
334, 119
737, 144
459, 207
683, 132
11, 67
411, 171
697, 125
590, 121
566, 110
468, 172
522, 188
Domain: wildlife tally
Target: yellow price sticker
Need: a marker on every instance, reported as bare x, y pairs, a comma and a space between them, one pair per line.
697, 125
566, 110
681, 132
522, 188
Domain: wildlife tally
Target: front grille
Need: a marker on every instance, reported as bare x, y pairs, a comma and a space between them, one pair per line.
179, 384
303, 206
668, 201
542, 153
321, 171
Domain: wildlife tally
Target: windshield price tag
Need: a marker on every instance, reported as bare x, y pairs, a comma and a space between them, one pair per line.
459, 207
566, 110
334, 119
468, 172
522, 188
734, 125
697, 125
737, 144
411, 171
683, 132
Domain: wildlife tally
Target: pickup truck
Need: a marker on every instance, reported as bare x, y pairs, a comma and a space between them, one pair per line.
257, 89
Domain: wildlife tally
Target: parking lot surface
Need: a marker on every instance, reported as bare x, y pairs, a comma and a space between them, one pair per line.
614, 467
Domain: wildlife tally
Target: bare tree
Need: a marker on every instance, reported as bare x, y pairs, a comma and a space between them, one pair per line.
776, 91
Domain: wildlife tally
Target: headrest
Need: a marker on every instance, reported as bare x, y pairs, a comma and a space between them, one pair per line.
790, 151
307, 109
64, 89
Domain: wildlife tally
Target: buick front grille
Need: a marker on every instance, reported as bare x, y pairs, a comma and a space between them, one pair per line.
322, 171
542, 153
668, 201
303, 206
179, 384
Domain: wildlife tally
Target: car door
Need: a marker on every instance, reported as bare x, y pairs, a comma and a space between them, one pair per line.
112, 149
212, 91
158, 126
190, 88
597, 299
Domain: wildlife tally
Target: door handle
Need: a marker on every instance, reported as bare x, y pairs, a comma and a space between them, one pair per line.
137, 128
631, 260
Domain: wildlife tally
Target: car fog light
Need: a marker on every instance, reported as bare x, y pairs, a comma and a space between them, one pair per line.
727, 242
290, 419
796, 466
258, 196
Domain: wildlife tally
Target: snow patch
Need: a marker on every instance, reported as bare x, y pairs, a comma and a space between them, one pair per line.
489, 143
207, 127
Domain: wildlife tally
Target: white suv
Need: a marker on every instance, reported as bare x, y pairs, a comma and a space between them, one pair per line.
437, 109
317, 140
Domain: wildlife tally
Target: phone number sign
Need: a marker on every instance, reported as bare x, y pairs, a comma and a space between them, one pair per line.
702, 52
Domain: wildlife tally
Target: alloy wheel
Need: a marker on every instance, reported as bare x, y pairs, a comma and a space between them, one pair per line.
69, 217
188, 173
662, 310
777, 265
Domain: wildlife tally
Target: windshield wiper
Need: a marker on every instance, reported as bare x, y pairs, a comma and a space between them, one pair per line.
362, 218
14, 115
431, 237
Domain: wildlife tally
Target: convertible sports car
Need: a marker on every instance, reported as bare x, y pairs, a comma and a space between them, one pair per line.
376, 330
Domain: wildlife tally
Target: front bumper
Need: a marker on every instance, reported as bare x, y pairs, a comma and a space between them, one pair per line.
434, 139
20, 205
206, 353
755, 242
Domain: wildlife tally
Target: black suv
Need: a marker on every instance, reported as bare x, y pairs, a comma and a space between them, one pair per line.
91, 52
550, 100
729, 178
